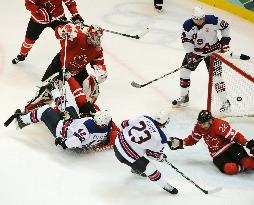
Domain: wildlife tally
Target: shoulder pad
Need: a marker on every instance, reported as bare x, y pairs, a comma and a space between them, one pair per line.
211, 19
188, 25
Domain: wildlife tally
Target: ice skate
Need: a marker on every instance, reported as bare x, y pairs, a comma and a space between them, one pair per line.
170, 189
225, 106
19, 122
158, 8
183, 101
138, 173
19, 58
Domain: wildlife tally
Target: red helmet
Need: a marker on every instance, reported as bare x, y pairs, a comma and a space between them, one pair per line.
94, 34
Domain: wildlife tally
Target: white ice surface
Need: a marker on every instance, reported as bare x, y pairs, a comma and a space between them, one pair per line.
34, 171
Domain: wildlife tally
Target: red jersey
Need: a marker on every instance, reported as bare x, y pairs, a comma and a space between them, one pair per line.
218, 137
53, 7
79, 53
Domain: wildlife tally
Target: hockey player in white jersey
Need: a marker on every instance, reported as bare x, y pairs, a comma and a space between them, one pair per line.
200, 40
140, 137
69, 130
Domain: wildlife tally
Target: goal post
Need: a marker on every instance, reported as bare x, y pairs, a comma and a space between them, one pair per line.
230, 86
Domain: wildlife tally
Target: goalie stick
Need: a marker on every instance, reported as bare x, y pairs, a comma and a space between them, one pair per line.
203, 190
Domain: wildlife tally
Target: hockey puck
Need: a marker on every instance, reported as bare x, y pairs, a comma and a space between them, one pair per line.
174, 102
239, 99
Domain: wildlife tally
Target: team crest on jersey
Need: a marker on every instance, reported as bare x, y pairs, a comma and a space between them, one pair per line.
206, 30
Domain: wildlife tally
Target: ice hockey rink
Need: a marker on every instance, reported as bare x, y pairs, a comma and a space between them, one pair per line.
34, 171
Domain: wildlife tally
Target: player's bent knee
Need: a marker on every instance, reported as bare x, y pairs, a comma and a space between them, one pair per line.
140, 165
230, 168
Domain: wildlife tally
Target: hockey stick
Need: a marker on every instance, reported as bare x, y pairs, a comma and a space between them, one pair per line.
12, 117
136, 85
63, 105
203, 190
138, 36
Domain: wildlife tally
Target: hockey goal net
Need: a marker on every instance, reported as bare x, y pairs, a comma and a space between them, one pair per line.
231, 86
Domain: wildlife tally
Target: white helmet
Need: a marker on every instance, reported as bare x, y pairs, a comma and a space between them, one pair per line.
163, 117
198, 13
102, 117
91, 88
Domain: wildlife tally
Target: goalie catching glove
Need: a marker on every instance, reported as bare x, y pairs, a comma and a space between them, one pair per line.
175, 143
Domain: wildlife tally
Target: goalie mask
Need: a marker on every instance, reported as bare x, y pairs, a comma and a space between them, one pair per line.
102, 118
94, 34
91, 88
163, 117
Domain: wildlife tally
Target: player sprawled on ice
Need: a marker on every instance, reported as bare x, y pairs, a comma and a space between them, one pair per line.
45, 13
226, 145
140, 138
83, 48
69, 130
200, 40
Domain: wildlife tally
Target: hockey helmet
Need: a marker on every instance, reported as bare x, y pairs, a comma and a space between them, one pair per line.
102, 117
94, 34
91, 88
163, 116
198, 13
204, 116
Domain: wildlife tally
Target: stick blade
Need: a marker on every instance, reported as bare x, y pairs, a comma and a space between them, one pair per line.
143, 33
214, 190
135, 85
12, 117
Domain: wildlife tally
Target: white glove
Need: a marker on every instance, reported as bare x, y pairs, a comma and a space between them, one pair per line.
100, 73
68, 31
154, 155
67, 75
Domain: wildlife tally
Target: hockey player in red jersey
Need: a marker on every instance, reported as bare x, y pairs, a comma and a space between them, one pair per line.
224, 143
82, 48
45, 13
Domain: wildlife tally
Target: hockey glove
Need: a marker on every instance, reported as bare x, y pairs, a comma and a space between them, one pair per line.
77, 19
250, 146
175, 143
60, 141
87, 110
68, 31
100, 73
224, 44
162, 158
191, 61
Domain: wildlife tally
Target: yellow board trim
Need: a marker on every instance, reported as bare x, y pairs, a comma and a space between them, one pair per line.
232, 8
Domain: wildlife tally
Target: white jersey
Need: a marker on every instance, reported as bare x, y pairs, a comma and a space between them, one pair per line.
140, 136
81, 133
204, 40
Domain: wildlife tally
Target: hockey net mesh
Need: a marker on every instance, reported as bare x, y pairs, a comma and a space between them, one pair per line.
238, 76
